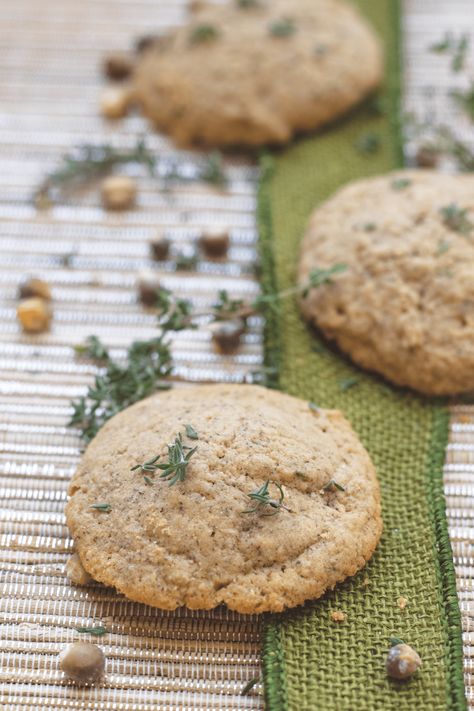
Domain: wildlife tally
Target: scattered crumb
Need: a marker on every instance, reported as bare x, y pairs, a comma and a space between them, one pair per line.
366, 581
338, 616
75, 571
402, 602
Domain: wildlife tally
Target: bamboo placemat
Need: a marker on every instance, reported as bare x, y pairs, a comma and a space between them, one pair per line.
49, 90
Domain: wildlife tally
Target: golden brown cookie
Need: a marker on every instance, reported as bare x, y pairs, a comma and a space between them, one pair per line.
257, 72
404, 307
195, 543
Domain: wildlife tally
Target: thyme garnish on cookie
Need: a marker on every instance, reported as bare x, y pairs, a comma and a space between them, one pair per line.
283, 28
333, 484
105, 508
179, 455
264, 501
204, 32
456, 219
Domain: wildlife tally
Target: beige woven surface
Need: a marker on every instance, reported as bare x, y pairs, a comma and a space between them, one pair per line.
49, 86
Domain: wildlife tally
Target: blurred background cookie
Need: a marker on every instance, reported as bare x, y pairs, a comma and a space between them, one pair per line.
404, 307
257, 72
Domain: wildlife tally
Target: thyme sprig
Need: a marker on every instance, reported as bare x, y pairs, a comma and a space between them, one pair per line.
87, 163
456, 47
149, 364
179, 455
317, 278
263, 500
174, 469
209, 169
465, 100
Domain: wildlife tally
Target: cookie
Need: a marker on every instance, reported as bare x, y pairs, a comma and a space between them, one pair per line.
198, 542
404, 307
256, 72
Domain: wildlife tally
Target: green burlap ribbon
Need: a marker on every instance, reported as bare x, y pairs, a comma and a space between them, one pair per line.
309, 661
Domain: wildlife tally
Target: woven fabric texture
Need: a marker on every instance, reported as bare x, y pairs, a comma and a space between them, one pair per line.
311, 662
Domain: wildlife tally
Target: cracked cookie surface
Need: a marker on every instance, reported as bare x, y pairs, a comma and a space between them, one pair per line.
404, 307
191, 544
255, 75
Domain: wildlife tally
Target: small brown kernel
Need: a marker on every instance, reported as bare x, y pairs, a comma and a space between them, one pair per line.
160, 248
148, 286
338, 616
402, 661
118, 192
215, 242
145, 42
118, 66
32, 288
83, 662
402, 602
115, 102
197, 5
226, 334
34, 315
76, 572
427, 157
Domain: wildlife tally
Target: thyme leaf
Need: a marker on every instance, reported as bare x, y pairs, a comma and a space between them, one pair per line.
456, 219
283, 27
443, 246
264, 500
368, 143
101, 507
347, 384
191, 432
98, 631
205, 32
249, 685
212, 170
396, 640
333, 484
465, 100
457, 47
148, 466
400, 183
